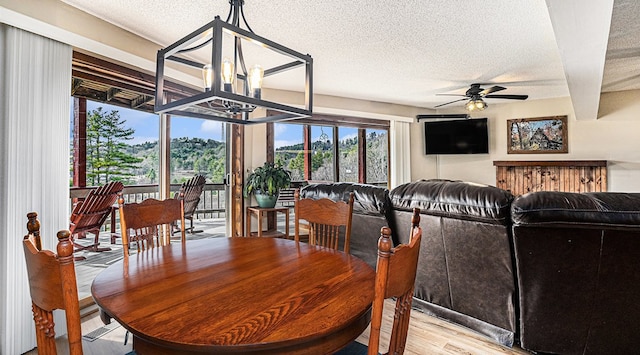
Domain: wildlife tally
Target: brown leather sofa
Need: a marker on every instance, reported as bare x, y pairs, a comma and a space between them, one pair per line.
578, 271
465, 271
556, 272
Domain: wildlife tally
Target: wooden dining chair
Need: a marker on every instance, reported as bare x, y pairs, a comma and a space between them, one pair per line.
148, 224
190, 192
89, 214
52, 283
395, 277
324, 220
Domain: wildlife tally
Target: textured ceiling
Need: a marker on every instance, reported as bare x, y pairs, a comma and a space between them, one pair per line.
402, 52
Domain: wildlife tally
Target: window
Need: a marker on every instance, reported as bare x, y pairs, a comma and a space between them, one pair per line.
348, 154
197, 147
322, 166
377, 156
338, 149
289, 149
121, 145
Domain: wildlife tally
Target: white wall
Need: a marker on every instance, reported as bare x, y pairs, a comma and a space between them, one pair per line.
613, 137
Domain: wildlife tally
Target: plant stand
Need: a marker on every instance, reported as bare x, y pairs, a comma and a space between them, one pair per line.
260, 213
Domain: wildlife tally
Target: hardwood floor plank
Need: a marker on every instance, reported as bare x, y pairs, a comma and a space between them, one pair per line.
427, 335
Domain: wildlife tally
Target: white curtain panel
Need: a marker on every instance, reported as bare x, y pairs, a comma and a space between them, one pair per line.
400, 154
35, 82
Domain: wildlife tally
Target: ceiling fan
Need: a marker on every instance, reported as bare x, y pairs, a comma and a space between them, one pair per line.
475, 94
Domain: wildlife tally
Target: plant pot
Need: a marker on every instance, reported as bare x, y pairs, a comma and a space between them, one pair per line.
266, 201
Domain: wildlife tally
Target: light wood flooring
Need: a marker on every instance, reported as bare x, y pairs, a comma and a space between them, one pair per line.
427, 336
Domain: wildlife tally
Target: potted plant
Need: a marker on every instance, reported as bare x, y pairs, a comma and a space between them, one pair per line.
265, 183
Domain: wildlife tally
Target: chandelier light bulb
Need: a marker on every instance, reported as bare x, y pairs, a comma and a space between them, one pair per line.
227, 75
207, 76
256, 73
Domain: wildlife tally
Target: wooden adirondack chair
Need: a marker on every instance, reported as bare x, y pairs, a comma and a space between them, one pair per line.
89, 215
190, 192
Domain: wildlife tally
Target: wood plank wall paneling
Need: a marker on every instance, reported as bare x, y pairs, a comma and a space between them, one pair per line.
521, 177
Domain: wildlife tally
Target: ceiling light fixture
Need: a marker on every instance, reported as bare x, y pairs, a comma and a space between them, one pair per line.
476, 104
233, 72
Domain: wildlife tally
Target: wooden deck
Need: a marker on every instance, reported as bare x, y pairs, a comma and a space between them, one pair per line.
427, 335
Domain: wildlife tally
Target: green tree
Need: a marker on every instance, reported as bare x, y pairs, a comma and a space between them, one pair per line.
152, 175
107, 157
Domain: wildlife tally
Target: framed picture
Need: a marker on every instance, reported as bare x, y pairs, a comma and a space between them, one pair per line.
539, 135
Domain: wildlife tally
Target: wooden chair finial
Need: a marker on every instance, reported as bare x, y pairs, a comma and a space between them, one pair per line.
384, 243
33, 226
65, 244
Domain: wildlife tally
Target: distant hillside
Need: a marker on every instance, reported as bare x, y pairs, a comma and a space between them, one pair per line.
189, 156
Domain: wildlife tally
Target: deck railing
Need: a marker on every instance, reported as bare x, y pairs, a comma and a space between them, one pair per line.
212, 201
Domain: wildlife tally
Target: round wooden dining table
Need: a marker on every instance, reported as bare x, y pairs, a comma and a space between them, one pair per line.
238, 295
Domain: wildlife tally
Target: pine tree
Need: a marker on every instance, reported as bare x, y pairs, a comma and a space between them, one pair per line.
107, 158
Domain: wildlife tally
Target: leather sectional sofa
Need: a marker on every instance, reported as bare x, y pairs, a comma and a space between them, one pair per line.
555, 272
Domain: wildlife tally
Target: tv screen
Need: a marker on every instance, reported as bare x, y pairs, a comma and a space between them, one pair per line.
468, 136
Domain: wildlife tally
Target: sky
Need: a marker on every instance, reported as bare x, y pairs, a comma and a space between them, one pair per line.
146, 127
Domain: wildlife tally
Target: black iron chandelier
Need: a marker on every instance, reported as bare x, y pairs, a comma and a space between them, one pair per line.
232, 84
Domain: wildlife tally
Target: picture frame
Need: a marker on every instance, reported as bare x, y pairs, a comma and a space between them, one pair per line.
537, 135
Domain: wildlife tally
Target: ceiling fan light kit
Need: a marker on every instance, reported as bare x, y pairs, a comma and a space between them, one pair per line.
476, 105
232, 88
475, 96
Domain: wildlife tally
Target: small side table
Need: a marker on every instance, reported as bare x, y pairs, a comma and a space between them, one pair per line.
260, 213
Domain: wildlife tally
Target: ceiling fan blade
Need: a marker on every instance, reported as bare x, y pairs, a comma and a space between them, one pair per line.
451, 102
451, 95
509, 97
494, 88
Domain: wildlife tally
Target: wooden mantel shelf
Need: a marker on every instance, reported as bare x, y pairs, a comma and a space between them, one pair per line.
524, 176
550, 163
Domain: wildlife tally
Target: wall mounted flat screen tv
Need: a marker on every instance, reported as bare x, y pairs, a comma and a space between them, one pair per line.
468, 136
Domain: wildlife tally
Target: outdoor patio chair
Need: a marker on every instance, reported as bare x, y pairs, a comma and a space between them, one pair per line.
190, 192
89, 214
52, 284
